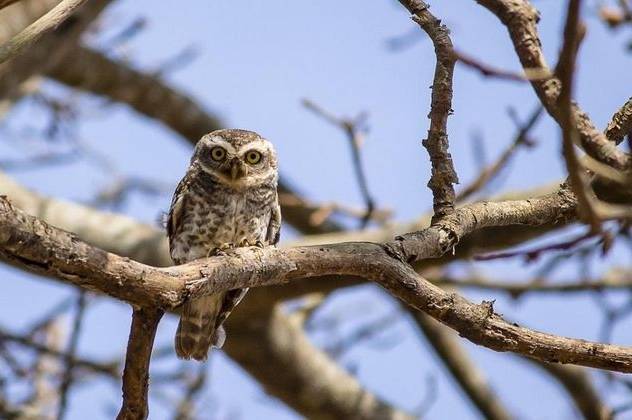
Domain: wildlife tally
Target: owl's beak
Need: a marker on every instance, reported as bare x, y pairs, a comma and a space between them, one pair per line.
237, 170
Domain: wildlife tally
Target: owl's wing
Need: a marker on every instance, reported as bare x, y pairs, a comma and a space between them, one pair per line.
274, 226
175, 211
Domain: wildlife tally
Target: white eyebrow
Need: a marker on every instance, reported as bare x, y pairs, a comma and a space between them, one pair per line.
258, 145
225, 144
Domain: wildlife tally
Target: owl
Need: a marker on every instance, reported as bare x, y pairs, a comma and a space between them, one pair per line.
228, 198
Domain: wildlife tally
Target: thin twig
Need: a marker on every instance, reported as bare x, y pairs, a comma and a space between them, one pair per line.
111, 370
565, 70
489, 173
613, 281
355, 135
489, 71
533, 254
185, 410
67, 377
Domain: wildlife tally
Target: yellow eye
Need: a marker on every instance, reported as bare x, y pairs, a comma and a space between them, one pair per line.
253, 157
218, 153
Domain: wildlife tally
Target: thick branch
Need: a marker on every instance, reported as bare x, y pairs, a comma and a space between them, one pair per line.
136, 375
39, 28
129, 280
147, 244
50, 50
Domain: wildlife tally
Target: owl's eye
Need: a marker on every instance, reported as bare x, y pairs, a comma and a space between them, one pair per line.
218, 153
253, 157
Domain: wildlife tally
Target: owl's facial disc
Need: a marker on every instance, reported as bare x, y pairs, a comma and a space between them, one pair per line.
235, 162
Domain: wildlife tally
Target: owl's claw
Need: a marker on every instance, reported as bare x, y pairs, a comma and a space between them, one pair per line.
220, 251
247, 243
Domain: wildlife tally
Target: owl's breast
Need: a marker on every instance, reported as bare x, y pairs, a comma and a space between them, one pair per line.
207, 225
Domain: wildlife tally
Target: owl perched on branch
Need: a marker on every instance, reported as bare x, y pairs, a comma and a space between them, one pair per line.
228, 198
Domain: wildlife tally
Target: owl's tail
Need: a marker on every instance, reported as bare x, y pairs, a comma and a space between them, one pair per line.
196, 330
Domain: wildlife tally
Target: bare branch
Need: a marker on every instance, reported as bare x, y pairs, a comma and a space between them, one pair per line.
615, 280
621, 123
49, 51
5, 3
456, 360
111, 370
355, 138
39, 28
275, 336
489, 173
136, 375
577, 384
145, 243
443, 174
565, 70
247, 267
521, 18
68, 375
489, 71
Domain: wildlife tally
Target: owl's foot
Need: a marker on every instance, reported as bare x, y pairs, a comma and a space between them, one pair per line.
247, 243
220, 251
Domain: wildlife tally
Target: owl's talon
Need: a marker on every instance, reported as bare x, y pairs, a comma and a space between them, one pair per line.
244, 243
215, 252
260, 244
220, 251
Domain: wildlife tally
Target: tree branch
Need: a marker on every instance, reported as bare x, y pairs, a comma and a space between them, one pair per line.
621, 123
521, 19
50, 51
577, 384
147, 244
275, 336
39, 28
72, 260
5, 3
136, 374
443, 174
456, 360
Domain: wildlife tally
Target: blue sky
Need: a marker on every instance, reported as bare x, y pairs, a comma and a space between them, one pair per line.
256, 61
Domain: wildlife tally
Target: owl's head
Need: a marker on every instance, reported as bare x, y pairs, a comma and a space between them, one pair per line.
237, 158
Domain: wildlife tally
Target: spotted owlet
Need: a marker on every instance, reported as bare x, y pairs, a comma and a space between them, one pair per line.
228, 198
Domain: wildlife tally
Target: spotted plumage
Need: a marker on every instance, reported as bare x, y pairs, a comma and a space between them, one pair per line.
228, 198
